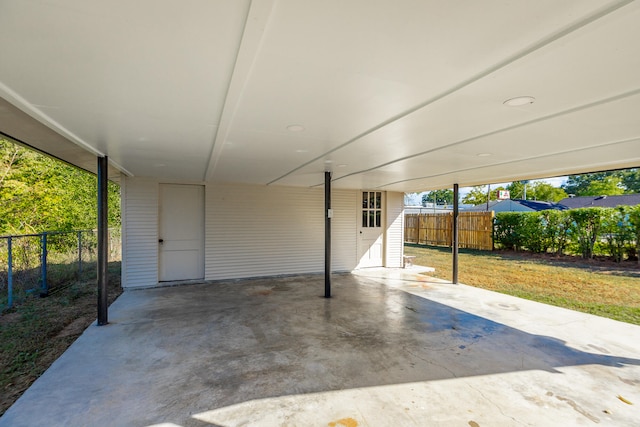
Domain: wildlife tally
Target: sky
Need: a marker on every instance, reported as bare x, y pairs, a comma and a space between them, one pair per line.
416, 199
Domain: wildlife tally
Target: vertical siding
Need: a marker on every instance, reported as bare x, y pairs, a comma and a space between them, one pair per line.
261, 231
394, 235
139, 232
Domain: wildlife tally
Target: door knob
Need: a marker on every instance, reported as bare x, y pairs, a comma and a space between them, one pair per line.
160, 241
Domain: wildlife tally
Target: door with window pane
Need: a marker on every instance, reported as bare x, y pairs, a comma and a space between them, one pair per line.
371, 231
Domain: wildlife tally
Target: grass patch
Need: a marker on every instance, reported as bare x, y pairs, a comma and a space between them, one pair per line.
604, 289
36, 332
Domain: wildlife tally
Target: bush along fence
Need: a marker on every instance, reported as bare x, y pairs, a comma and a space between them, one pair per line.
44, 262
614, 232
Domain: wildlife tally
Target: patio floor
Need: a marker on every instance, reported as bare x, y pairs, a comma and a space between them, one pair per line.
391, 348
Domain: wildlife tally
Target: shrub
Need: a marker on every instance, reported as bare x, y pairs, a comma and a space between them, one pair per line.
533, 232
587, 226
508, 230
618, 232
557, 229
634, 221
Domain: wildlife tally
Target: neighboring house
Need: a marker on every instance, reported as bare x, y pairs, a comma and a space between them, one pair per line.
516, 206
600, 201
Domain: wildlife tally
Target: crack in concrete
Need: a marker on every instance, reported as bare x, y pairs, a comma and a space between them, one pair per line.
494, 404
431, 362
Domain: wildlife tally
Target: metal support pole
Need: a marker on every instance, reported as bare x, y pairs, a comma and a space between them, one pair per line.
102, 241
9, 275
327, 234
455, 234
44, 286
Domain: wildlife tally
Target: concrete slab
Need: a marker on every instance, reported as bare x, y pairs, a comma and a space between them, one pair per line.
391, 348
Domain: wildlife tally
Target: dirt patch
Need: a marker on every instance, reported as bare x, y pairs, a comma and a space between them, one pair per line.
76, 327
601, 264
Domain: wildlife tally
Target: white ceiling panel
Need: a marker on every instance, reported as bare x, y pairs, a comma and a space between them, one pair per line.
403, 95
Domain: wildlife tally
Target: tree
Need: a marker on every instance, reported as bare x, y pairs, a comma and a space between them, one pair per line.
608, 183
441, 197
578, 184
517, 189
608, 186
546, 192
631, 180
39, 193
478, 195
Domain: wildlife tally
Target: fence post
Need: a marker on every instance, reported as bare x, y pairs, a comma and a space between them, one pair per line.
43, 266
79, 253
10, 275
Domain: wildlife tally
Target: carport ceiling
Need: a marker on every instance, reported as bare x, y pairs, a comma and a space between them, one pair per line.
397, 95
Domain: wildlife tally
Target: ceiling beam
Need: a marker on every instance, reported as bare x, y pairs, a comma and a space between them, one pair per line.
255, 27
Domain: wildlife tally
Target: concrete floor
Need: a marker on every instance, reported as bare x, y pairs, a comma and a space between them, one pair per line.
392, 348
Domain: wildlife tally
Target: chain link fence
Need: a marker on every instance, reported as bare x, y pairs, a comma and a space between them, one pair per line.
45, 262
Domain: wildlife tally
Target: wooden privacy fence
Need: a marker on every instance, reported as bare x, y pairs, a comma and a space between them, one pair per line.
475, 229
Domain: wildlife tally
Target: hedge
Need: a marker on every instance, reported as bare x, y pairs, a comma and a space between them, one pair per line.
610, 231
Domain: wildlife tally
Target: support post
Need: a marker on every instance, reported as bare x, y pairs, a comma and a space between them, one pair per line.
327, 234
102, 241
9, 275
455, 234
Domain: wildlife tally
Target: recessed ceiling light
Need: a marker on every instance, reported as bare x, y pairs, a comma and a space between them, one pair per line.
484, 154
328, 161
295, 128
342, 165
302, 151
519, 101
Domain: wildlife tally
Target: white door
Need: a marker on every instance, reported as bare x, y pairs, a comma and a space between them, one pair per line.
371, 230
181, 234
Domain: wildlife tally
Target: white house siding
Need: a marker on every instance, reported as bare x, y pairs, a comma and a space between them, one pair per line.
344, 229
394, 237
255, 231
261, 231
139, 232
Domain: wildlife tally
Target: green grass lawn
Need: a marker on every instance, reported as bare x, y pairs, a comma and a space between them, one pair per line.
604, 289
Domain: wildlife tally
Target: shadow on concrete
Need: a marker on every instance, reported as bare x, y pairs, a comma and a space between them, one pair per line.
172, 352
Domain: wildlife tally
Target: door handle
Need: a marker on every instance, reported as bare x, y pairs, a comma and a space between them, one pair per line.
161, 241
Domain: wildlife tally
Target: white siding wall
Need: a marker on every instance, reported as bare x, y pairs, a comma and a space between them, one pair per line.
254, 231
139, 232
344, 229
394, 237
261, 231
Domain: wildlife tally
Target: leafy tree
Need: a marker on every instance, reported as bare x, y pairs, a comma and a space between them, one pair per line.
39, 193
608, 183
516, 189
546, 192
608, 186
578, 184
631, 180
478, 195
441, 197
